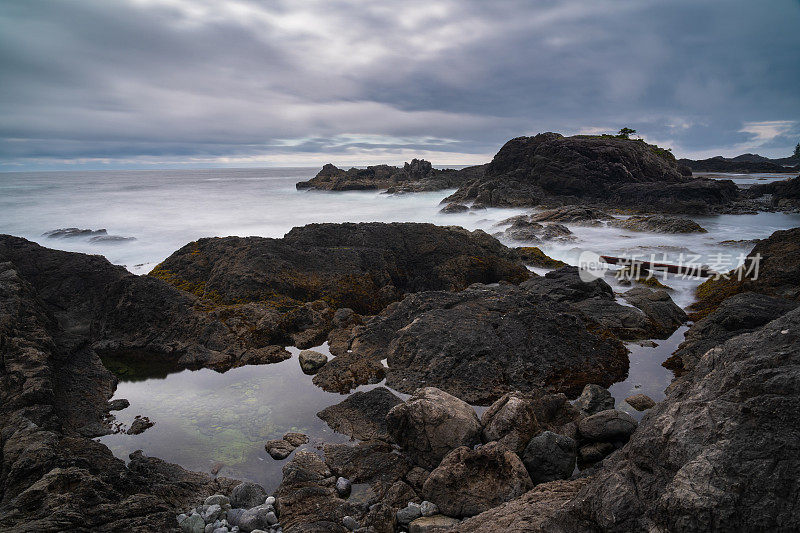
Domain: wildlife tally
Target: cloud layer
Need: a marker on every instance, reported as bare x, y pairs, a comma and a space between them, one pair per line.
242, 82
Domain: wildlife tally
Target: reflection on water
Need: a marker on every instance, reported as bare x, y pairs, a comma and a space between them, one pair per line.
204, 417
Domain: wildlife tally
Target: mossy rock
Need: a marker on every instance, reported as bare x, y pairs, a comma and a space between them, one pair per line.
534, 256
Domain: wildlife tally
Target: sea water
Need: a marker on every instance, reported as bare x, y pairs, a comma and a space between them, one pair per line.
206, 420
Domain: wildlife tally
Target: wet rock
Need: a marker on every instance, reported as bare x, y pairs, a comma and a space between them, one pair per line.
607, 426
367, 461
468, 482
111, 239
477, 344
431, 423
511, 421
362, 415
139, 425
260, 517
69, 233
454, 208
659, 308
677, 470
247, 495
279, 449
572, 214
549, 456
306, 496
741, 313
594, 399
431, 524
350, 523
533, 256
658, 224
118, 405
295, 439
343, 487
417, 175
640, 402
311, 361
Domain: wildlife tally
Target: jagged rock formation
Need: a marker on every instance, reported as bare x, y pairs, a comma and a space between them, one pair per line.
551, 169
742, 164
416, 176
783, 195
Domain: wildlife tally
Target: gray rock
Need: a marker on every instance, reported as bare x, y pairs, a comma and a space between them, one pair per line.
311, 361
658, 224
279, 449
454, 208
431, 423
640, 402
181, 517
193, 524
350, 523
217, 499
343, 487
594, 399
270, 500
549, 456
511, 421
221, 530
234, 515
261, 517
428, 508
247, 495
409, 513
212, 513
431, 524
607, 426
468, 482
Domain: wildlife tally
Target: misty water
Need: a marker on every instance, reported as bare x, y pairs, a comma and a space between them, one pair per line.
205, 419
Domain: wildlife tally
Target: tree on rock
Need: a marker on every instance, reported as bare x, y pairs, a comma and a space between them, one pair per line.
625, 133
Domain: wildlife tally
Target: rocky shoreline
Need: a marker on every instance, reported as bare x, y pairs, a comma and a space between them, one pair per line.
448, 319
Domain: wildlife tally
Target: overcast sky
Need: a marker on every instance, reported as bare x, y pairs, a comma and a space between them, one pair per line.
132, 83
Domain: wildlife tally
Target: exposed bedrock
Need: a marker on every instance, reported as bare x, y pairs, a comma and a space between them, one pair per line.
551, 169
555, 331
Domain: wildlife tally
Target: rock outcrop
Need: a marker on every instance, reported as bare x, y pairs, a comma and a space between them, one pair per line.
658, 224
743, 164
784, 195
550, 168
362, 415
416, 176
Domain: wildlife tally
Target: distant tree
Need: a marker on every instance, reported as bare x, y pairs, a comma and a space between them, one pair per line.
797, 151
625, 133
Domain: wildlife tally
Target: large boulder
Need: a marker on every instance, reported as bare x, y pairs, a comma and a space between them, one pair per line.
594, 399
468, 482
362, 415
607, 426
658, 224
481, 343
431, 423
511, 421
549, 456
550, 168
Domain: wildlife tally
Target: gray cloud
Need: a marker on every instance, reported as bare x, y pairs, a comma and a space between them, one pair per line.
148, 82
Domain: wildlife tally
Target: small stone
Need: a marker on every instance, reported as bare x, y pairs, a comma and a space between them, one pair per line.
270, 500
118, 404
210, 528
221, 530
409, 514
350, 523
234, 515
212, 513
343, 487
246, 495
217, 499
271, 518
193, 524
428, 508
140, 425
640, 402
296, 439
261, 517
279, 449
181, 517
311, 361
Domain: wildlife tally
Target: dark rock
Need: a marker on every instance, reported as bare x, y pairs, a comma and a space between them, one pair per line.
343, 487
431, 423
279, 449
533, 256
362, 415
307, 497
139, 425
776, 260
741, 313
736, 165
454, 208
594, 399
549, 456
783, 194
468, 482
478, 344
247, 495
118, 405
257, 518
296, 439
640, 402
658, 224
432, 524
607, 426
366, 462
594, 452
549, 168
311, 361
409, 513
511, 421
720, 452
111, 239
69, 233
572, 214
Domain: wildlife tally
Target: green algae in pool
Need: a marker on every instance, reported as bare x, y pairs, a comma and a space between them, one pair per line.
205, 418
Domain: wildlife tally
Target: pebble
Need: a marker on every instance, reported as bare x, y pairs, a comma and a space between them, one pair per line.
350, 523
428, 508
193, 524
409, 513
271, 518
270, 500
343, 487
212, 513
217, 499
